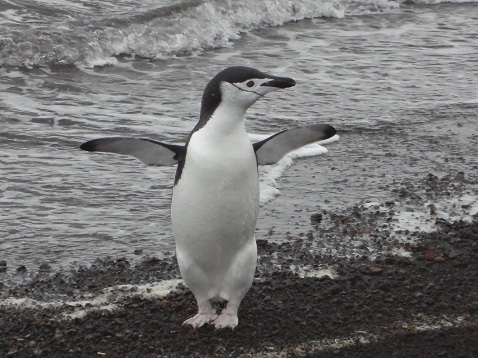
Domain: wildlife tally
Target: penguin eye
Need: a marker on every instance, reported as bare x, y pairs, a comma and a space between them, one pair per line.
250, 84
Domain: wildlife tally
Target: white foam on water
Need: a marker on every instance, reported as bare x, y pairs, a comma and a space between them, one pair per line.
269, 174
12, 15
81, 313
413, 220
109, 299
423, 216
304, 271
420, 218
401, 252
421, 323
107, 61
153, 30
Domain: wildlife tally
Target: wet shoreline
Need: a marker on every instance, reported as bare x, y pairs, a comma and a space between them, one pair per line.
412, 298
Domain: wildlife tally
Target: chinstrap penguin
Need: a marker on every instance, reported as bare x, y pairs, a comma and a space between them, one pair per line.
215, 199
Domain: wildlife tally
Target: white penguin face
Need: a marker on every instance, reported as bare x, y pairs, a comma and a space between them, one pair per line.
246, 93
235, 89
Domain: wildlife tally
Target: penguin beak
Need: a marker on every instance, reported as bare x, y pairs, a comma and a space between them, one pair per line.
280, 82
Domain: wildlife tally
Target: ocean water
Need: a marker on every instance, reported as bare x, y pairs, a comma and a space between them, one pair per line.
399, 80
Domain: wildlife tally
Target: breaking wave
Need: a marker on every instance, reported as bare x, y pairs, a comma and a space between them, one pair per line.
85, 34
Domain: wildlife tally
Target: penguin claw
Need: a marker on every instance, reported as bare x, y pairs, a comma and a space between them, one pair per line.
200, 319
226, 320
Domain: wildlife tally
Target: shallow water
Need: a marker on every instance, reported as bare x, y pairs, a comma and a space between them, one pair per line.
400, 85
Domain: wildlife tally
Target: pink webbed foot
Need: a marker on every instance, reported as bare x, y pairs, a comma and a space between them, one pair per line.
200, 319
228, 318
206, 314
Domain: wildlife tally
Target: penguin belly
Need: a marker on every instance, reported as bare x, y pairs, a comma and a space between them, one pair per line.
214, 213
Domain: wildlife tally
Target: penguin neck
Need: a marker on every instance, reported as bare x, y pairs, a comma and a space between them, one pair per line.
226, 120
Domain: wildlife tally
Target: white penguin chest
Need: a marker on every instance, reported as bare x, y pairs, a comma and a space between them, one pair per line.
217, 196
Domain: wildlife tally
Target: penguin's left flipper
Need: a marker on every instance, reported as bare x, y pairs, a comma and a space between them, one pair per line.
148, 151
273, 148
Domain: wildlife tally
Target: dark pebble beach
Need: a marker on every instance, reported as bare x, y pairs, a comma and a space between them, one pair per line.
421, 304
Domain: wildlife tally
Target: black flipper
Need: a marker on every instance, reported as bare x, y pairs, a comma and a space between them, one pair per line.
273, 148
150, 152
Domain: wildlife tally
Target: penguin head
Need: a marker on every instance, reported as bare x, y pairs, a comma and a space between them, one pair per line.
241, 87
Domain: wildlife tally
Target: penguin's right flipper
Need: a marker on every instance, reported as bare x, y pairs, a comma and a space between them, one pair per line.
273, 148
150, 152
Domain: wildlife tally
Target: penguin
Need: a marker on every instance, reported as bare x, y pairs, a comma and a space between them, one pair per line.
215, 200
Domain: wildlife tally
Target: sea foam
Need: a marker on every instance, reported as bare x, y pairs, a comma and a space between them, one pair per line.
270, 173
89, 37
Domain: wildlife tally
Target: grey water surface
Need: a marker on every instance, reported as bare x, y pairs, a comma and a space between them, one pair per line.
398, 81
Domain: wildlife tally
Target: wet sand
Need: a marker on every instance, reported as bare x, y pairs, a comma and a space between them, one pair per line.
421, 302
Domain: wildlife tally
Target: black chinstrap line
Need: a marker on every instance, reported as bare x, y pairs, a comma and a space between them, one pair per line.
239, 88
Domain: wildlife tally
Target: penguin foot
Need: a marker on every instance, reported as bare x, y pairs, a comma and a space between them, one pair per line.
226, 320
200, 319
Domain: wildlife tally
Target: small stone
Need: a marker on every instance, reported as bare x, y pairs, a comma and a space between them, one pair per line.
359, 294
454, 254
315, 219
21, 269
220, 350
439, 259
164, 304
407, 247
461, 264
151, 261
138, 251
430, 255
3, 263
122, 264
401, 273
374, 270
335, 289
45, 267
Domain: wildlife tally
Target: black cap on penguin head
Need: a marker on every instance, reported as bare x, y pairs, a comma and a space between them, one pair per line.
234, 75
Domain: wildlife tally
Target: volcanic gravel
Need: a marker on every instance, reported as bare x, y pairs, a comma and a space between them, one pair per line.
381, 305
